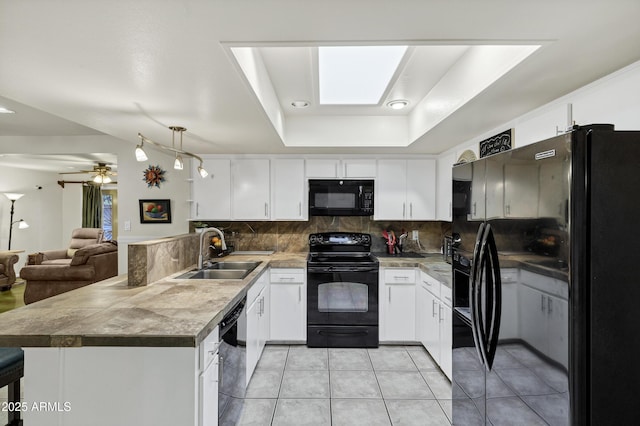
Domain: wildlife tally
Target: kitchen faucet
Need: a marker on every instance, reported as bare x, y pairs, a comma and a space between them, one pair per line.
202, 235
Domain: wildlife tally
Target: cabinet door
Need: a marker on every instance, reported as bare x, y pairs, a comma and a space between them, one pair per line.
432, 331
558, 313
446, 339
263, 327
358, 169
321, 168
289, 201
399, 303
477, 206
212, 195
443, 190
533, 322
288, 315
253, 331
391, 190
208, 401
421, 190
520, 190
250, 189
494, 188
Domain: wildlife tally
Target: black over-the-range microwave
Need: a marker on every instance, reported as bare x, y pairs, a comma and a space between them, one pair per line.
340, 197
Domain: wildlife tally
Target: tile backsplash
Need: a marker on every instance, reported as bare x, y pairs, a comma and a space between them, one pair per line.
292, 236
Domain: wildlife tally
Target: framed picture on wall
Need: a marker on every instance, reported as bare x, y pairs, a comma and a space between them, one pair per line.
155, 211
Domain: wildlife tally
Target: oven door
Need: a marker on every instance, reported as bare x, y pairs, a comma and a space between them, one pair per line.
342, 296
342, 307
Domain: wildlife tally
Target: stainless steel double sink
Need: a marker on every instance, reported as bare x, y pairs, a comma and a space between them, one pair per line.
226, 270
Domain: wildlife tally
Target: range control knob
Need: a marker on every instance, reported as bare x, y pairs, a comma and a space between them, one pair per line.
366, 239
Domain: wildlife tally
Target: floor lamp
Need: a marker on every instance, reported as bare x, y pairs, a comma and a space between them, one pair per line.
13, 197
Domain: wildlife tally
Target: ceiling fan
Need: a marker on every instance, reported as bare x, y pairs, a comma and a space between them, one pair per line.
101, 173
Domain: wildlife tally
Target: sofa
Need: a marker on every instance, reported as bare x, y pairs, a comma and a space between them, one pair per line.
80, 237
89, 264
7, 273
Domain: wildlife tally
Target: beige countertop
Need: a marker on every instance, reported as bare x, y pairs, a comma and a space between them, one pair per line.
168, 312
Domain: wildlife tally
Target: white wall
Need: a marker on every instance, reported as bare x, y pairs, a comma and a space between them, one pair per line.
54, 227
613, 99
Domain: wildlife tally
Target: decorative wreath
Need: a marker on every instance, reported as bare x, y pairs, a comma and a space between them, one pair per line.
153, 175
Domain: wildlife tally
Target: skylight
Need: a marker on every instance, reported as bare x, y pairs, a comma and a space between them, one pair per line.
356, 75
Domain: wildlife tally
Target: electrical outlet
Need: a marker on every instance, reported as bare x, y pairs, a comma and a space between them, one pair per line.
414, 235
127, 225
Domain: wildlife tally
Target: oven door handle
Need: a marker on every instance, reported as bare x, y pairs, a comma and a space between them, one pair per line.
329, 269
342, 333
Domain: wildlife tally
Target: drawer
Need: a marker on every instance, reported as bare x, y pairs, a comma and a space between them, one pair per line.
208, 348
399, 276
287, 276
430, 283
445, 295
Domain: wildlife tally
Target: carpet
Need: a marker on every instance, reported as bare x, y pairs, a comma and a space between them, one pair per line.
13, 298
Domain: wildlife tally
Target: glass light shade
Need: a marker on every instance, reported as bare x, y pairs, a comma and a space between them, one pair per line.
202, 171
178, 164
13, 196
22, 224
102, 179
140, 154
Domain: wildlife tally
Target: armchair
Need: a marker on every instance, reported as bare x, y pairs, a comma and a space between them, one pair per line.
90, 264
7, 273
80, 237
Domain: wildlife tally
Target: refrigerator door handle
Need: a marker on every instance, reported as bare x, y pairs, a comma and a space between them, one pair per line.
496, 289
474, 294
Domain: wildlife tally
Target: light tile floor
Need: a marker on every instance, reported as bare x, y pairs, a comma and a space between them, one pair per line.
390, 385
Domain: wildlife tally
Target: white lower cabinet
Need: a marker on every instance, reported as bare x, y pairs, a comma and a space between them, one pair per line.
103, 386
257, 322
433, 320
288, 305
397, 305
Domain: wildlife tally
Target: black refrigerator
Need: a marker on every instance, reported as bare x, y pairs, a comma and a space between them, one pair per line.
546, 284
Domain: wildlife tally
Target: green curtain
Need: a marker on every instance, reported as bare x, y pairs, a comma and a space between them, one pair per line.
91, 206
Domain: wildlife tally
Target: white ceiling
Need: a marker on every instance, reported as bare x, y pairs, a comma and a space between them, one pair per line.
95, 67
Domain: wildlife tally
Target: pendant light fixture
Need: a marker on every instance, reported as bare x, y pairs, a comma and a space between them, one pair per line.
178, 164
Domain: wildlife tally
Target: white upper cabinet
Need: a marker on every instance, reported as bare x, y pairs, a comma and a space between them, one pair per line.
212, 194
406, 190
443, 190
359, 169
250, 189
349, 168
289, 190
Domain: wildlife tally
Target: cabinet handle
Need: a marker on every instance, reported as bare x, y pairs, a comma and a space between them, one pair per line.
197, 209
287, 279
441, 317
427, 283
300, 208
410, 210
345, 170
508, 208
403, 209
299, 294
400, 277
549, 305
389, 294
433, 308
266, 209
542, 302
220, 371
474, 208
449, 209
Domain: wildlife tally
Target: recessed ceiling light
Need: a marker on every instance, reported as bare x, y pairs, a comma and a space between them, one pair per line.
300, 104
4, 110
397, 104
